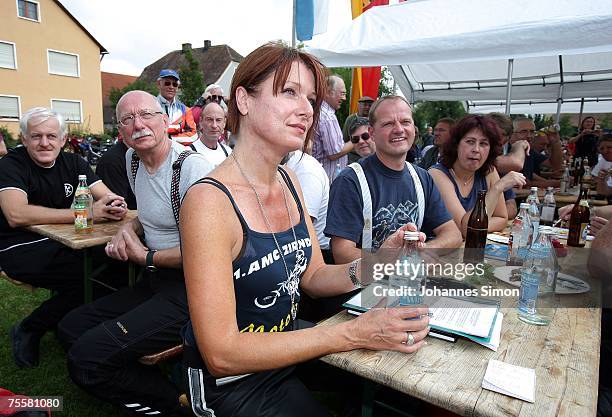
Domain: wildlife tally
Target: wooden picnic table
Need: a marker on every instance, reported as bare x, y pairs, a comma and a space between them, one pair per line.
102, 233
564, 354
561, 199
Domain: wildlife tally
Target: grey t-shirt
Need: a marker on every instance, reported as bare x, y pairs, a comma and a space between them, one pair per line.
153, 195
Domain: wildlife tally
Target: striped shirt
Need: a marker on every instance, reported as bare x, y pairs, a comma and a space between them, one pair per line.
328, 141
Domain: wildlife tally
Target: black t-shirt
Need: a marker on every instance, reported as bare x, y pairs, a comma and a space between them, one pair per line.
111, 170
48, 187
532, 164
586, 146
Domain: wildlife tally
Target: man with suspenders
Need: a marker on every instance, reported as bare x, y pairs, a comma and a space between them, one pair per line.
372, 198
212, 124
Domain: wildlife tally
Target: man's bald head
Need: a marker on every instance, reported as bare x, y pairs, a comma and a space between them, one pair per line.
212, 123
137, 95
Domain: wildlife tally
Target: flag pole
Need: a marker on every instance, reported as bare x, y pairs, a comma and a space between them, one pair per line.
293, 40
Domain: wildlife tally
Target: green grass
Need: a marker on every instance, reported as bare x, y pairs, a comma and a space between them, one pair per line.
50, 378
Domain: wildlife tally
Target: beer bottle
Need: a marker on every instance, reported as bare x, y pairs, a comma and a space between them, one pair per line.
548, 208
477, 227
579, 220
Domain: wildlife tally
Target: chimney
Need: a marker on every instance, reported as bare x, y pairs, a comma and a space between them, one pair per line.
185, 47
207, 44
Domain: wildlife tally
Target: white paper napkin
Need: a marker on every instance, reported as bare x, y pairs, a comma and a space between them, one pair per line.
514, 381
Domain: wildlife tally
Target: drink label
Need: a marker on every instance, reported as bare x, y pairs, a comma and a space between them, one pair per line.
528, 292
80, 218
584, 231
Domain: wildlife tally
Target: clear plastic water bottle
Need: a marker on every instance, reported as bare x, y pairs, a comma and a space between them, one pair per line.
410, 276
566, 179
549, 206
337, 171
534, 211
538, 281
83, 207
520, 237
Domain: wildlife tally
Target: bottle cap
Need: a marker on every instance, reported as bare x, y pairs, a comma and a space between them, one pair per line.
534, 188
524, 205
549, 188
411, 236
82, 177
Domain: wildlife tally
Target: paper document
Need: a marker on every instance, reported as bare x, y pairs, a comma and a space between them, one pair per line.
463, 316
514, 381
493, 344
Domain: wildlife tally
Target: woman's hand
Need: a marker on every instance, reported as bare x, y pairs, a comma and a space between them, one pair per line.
564, 212
510, 180
389, 329
597, 223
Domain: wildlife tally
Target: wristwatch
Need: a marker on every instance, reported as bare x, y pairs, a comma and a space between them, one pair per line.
149, 261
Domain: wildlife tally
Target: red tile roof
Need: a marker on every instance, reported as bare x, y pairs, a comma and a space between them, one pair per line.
111, 80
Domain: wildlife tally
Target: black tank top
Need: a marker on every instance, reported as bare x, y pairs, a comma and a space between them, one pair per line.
261, 286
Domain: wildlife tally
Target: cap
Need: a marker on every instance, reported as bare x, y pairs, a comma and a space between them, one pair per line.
408, 235
366, 98
168, 73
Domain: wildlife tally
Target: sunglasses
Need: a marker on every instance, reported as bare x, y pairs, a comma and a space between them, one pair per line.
364, 136
215, 98
171, 83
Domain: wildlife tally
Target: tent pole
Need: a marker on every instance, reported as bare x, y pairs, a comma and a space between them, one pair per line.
509, 85
293, 34
581, 110
560, 98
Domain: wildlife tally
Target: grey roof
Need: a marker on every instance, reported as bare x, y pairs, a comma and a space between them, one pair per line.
213, 62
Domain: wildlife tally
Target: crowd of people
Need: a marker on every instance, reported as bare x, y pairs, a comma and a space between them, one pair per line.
254, 213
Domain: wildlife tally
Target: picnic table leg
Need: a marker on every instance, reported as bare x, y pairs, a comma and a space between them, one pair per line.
367, 401
88, 266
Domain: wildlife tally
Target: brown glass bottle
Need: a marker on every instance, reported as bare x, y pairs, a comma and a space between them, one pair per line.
579, 220
476, 236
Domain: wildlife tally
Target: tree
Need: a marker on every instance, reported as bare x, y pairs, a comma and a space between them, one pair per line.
116, 93
427, 113
385, 86
192, 79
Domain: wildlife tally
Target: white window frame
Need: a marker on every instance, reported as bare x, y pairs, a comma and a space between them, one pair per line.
18, 108
65, 53
14, 53
27, 18
70, 101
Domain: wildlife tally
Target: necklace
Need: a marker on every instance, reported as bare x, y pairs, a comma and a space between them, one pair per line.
291, 286
465, 183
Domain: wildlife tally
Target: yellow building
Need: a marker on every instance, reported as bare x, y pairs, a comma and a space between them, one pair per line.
48, 59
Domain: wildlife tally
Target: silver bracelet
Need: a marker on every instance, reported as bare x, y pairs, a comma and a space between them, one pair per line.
353, 273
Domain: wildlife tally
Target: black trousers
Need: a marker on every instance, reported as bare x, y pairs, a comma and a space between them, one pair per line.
285, 392
106, 338
47, 264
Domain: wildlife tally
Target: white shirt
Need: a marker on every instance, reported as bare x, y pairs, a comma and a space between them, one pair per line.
315, 186
602, 164
214, 156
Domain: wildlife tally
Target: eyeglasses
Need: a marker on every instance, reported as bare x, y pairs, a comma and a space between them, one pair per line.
215, 98
169, 83
364, 136
526, 132
128, 119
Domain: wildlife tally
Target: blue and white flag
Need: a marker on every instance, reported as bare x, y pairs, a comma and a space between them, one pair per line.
310, 18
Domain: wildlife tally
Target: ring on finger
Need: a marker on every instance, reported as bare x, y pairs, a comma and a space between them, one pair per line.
409, 339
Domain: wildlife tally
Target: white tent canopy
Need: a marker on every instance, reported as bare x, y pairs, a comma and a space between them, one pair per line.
459, 50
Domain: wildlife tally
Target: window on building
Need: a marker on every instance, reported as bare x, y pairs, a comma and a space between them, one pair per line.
28, 9
62, 63
7, 55
70, 109
9, 108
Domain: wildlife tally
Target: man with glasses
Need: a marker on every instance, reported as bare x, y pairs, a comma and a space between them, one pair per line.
37, 185
524, 129
182, 127
328, 147
106, 338
363, 145
363, 108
